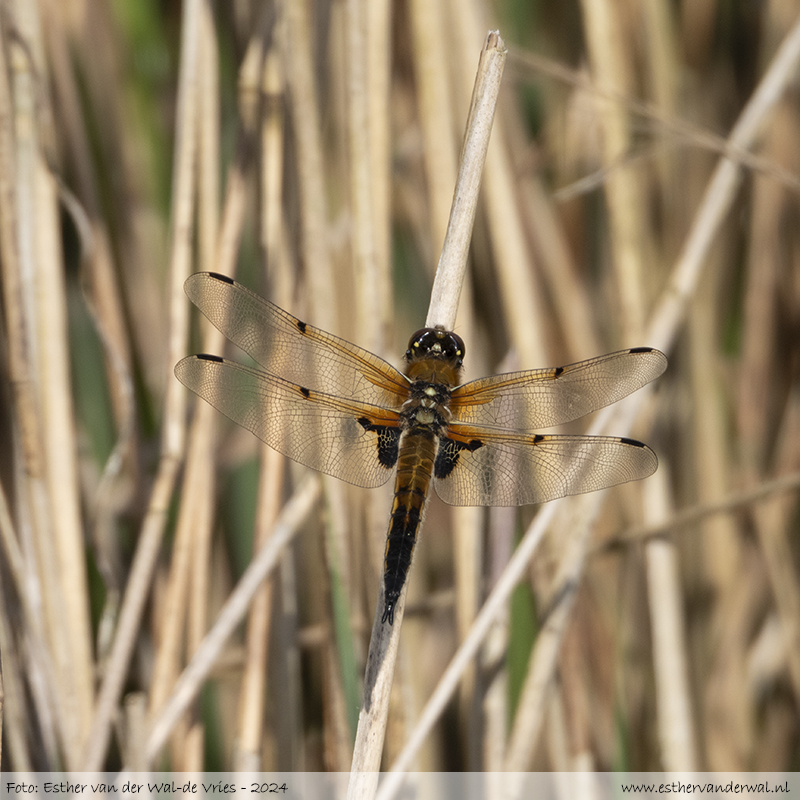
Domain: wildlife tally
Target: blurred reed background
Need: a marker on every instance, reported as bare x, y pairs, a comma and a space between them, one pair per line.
311, 149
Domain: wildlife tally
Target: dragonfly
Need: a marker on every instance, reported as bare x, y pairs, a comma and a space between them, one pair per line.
339, 409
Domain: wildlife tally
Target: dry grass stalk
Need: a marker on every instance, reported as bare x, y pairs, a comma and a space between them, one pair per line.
254, 680
187, 588
474, 151
173, 438
662, 122
435, 112
518, 282
191, 680
442, 311
675, 718
611, 68
740, 499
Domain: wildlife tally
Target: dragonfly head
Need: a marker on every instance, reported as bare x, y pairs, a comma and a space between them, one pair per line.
436, 343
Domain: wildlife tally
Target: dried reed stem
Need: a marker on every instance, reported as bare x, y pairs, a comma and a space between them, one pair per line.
174, 426
449, 278
718, 197
739, 499
442, 311
248, 746
310, 163
611, 67
435, 111
674, 702
681, 129
191, 680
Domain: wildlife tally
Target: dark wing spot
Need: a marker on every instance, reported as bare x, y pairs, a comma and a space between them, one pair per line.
223, 278
641, 350
633, 442
388, 446
538, 438
448, 454
207, 357
446, 458
388, 441
557, 371
305, 392
301, 325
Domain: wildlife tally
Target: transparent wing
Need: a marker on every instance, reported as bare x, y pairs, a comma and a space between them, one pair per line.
286, 346
475, 467
355, 442
528, 401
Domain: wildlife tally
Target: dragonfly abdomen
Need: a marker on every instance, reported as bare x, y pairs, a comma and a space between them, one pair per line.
414, 470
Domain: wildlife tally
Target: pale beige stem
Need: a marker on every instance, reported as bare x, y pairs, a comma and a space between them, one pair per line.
191, 680
442, 310
174, 426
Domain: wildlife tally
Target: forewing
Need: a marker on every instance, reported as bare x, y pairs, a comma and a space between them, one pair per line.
475, 467
355, 442
541, 398
286, 346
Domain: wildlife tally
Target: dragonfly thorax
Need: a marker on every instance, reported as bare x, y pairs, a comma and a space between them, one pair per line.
428, 406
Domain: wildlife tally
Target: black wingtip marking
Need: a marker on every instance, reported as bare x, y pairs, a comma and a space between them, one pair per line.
641, 350
305, 392
633, 442
557, 371
220, 277
301, 325
208, 357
